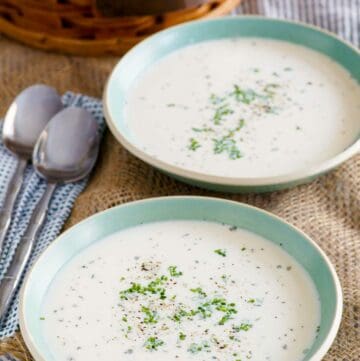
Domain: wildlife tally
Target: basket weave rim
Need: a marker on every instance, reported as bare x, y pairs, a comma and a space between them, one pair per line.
115, 45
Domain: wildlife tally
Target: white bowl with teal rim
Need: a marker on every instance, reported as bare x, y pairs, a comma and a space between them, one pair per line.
158, 46
103, 224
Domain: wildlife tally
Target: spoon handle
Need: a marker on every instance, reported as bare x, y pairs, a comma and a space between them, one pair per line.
10, 199
9, 284
8, 357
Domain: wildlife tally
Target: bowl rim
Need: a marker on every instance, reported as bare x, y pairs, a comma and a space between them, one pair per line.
336, 317
277, 180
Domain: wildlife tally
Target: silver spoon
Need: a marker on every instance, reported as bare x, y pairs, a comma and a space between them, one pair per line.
8, 357
24, 121
65, 152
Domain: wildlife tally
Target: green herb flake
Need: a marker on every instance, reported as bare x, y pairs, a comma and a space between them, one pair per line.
194, 144
181, 313
228, 309
194, 348
214, 99
182, 336
174, 272
153, 287
199, 291
150, 316
221, 112
224, 319
243, 327
221, 252
153, 343
246, 96
228, 145
204, 129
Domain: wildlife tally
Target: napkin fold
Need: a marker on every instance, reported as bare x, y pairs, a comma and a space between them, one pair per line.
32, 190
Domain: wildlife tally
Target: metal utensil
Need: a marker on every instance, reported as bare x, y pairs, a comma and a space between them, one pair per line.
8, 357
24, 121
65, 152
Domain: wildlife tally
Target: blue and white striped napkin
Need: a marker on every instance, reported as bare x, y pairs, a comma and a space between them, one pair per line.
339, 16
33, 188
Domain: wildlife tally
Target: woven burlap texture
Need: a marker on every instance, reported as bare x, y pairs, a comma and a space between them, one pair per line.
327, 209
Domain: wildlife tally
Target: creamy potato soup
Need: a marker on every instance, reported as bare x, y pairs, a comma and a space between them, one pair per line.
244, 107
181, 290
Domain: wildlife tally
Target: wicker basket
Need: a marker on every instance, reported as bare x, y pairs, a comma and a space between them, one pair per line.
77, 27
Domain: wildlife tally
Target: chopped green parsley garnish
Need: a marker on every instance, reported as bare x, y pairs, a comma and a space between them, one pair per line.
182, 336
174, 272
196, 347
150, 316
199, 291
246, 96
181, 313
221, 252
152, 343
214, 99
221, 112
258, 101
206, 310
227, 145
256, 302
194, 144
204, 129
227, 308
242, 327
153, 287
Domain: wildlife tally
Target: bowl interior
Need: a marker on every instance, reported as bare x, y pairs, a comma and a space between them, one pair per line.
156, 47
193, 208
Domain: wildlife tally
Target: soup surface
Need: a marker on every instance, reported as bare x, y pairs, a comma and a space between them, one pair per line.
181, 290
244, 107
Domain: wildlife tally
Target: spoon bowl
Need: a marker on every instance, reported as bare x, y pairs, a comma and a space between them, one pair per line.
67, 148
27, 117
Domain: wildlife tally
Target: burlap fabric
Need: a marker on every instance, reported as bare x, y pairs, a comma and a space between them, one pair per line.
328, 209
